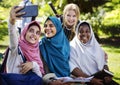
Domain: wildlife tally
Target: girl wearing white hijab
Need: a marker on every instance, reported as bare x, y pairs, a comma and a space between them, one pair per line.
86, 55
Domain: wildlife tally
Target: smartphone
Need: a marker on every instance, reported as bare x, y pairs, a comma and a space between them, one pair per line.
30, 11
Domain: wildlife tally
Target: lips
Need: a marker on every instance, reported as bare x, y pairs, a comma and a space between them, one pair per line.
48, 32
33, 38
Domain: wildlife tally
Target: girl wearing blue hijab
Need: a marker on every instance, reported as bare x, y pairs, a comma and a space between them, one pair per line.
55, 48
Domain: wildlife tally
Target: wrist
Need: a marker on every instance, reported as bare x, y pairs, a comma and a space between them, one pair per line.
12, 21
92, 80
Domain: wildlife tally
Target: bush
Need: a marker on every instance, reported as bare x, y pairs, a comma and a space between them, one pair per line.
112, 30
111, 23
3, 29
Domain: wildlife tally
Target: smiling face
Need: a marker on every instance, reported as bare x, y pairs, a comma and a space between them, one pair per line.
49, 29
33, 34
70, 18
84, 33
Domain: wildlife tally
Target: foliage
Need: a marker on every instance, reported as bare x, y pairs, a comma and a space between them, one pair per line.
8, 3
112, 30
111, 20
103, 16
3, 29
94, 19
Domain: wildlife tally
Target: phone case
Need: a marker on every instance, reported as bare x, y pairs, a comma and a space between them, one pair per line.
30, 11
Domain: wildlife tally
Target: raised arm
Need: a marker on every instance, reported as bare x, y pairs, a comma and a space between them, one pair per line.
13, 34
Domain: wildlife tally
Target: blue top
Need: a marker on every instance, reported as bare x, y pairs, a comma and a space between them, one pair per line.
56, 50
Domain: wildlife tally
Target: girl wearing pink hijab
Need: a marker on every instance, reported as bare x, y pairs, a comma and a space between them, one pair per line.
28, 44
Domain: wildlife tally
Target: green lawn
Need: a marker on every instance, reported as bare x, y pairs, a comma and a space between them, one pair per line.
112, 51
114, 60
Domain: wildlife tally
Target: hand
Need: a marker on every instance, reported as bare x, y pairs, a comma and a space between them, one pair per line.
56, 82
26, 67
14, 14
106, 56
95, 81
108, 79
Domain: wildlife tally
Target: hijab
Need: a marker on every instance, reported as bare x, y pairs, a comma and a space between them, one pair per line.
30, 51
89, 57
56, 50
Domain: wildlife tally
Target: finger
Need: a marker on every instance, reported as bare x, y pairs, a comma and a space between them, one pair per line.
17, 9
19, 18
19, 14
24, 70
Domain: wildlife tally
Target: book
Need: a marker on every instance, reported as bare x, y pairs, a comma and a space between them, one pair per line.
78, 79
102, 74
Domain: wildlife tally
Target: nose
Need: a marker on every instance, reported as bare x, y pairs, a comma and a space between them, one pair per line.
84, 34
47, 27
71, 18
34, 34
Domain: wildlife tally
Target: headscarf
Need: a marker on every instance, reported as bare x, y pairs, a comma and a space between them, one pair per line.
88, 57
56, 50
30, 51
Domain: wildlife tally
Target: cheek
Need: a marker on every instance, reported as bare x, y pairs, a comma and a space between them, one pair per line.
66, 18
44, 30
79, 36
89, 35
26, 36
38, 36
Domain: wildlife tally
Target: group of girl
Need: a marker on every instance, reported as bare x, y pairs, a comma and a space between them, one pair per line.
66, 48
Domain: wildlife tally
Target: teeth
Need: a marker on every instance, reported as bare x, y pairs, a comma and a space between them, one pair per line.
84, 38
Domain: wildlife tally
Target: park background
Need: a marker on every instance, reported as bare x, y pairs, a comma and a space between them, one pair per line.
103, 15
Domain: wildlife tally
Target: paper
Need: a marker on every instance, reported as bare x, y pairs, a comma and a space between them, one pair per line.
110, 73
78, 79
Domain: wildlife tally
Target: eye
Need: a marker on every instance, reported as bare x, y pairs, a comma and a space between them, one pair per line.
51, 25
88, 31
74, 15
45, 25
68, 15
38, 32
81, 32
31, 30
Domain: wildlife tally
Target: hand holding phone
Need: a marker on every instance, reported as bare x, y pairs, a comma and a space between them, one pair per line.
30, 11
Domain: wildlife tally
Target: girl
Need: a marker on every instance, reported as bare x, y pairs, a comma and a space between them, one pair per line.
55, 50
86, 55
71, 15
27, 43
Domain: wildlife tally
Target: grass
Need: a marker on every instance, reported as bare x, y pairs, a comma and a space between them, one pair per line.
111, 47
113, 61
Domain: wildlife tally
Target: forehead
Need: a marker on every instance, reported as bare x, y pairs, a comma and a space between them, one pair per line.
71, 12
34, 27
84, 27
48, 22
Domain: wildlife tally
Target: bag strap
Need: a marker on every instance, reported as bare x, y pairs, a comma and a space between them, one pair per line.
2, 69
20, 53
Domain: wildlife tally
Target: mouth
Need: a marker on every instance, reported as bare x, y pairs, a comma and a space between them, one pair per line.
33, 38
48, 32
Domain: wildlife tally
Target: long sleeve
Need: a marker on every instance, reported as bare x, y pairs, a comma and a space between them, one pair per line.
72, 60
13, 36
14, 58
36, 69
